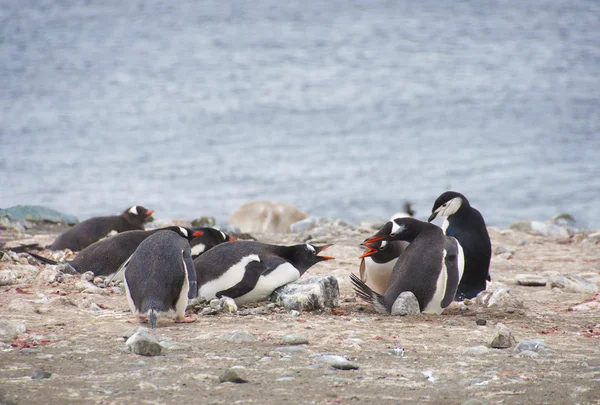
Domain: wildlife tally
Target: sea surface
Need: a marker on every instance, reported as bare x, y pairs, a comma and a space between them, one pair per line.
344, 109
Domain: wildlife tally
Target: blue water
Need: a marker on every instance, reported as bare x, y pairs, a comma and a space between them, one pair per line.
343, 109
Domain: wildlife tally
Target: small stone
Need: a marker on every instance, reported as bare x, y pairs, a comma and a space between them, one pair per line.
530, 280
94, 290
228, 305
173, 346
309, 294
295, 340
271, 305
209, 311
349, 299
230, 375
39, 374
397, 351
406, 304
144, 343
503, 337
7, 277
473, 401
11, 329
238, 336
498, 250
531, 345
574, 284
29, 350
501, 297
282, 379
338, 362
99, 280
528, 354
291, 349
293, 312
476, 350
87, 276
452, 322
215, 303
481, 322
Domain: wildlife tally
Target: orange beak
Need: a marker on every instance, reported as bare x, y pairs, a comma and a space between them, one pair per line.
373, 239
232, 239
369, 252
149, 212
197, 233
326, 257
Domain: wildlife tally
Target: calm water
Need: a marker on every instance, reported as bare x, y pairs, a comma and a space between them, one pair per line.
344, 109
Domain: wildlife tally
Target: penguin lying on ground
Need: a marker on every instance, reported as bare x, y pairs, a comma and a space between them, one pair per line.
107, 255
93, 229
160, 277
250, 271
430, 267
377, 263
466, 224
210, 238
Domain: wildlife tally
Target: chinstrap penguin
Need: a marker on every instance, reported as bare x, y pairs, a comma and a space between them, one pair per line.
430, 267
159, 277
466, 224
250, 271
93, 229
210, 238
377, 263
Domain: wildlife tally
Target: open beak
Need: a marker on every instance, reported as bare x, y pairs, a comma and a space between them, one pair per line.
432, 217
322, 249
370, 250
197, 233
149, 212
231, 239
374, 239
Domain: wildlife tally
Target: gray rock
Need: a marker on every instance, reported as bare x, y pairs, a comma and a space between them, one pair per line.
39, 374
238, 336
37, 213
11, 329
173, 346
204, 222
574, 284
338, 362
87, 276
215, 303
295, 339
530, 280
291, 349
309, 294
498, 250
228, 305
144, 343
265, 216
529, 354
293, 312
231, 375
548, 228
195, 304
7, 277
481, 321
503, 337
501, 297
282, 379
406, 304
349, 299
530, 345
476, 350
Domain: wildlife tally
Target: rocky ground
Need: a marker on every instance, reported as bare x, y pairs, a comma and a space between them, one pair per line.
63, 341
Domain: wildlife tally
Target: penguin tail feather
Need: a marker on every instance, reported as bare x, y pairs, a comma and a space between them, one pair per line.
365, 293
42, 258
152, 318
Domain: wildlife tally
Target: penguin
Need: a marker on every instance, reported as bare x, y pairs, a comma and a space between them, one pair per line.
430, 267
210, 238
93, 229
467, 225
159, 277
377, 263
106, 256
250, 271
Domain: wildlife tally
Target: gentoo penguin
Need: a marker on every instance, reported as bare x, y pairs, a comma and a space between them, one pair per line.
430, 267
466, 224
159, 277
250, 271
377, 263
107, 255
93, 229
210, 238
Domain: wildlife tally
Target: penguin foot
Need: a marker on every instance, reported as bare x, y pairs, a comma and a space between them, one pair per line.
186, 319
138, 319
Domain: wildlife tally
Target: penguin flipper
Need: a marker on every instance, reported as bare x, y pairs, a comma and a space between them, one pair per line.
253, 272
188, 263
452, 266
363, 270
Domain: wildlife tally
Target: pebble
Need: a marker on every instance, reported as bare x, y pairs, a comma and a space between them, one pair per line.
7, 277
452, 322
142, 342
337, 362
529, 354
11, 329
87, 276
291, 349
309, 294
281, 379
476, 350
238, 336
530, 280
230, 375
574, 284
39, 374
406, 304
481, 321
29, 350
531, 345
228, 305
293, 312
173, 346
295, 340
215, 303
349, 299
503, 337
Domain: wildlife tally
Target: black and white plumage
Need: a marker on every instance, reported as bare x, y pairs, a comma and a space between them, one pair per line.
93, 229
377, 263
430, 266
467, 225
210, 238
250, 271
159, 276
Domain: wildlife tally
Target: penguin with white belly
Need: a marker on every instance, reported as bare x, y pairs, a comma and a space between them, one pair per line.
430, 267
159, 277
210, 237
466, 224
378, 261
250, 271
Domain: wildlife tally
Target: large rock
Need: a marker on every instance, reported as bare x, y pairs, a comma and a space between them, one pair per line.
531, 280
406, 304
501, 297
144, 343
574, 284
309, 294
37, 213
558, 226
265, 216
503, 337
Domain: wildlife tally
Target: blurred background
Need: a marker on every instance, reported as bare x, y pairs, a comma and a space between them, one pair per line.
342, 109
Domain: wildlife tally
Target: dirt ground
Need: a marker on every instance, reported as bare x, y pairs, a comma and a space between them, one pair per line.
423, 359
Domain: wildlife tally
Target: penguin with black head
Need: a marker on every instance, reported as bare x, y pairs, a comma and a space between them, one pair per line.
378, 261
467, 225
210, 237
159, 277
430, 266
250, 271
93, 229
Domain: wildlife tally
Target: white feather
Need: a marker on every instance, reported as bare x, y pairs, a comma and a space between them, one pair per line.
133, 210
183, 294
281, 275
183, 232
198, 249
231, 277
435, 305
377, 275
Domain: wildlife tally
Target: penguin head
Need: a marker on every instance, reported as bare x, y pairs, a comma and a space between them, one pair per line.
448, 204
374, 248
397, 229
187, 233
137, 215
307, 255
209, 238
